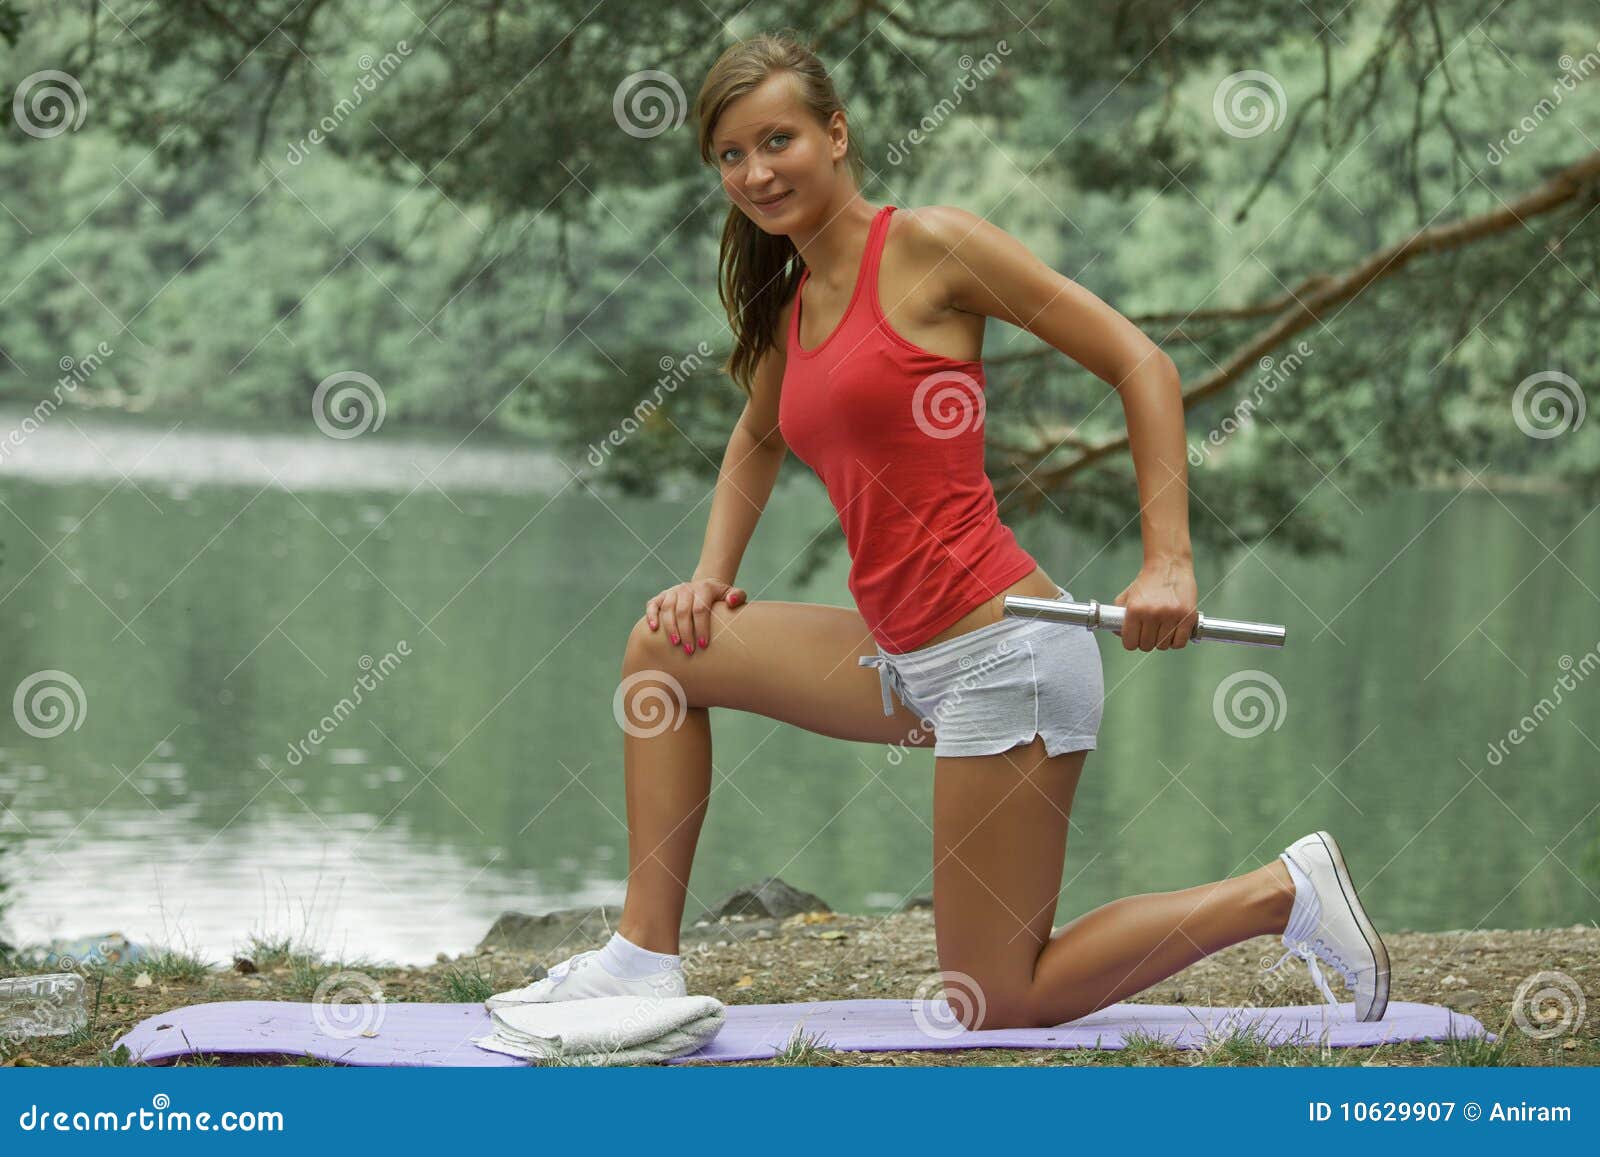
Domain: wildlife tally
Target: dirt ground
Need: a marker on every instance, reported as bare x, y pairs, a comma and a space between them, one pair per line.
826, 955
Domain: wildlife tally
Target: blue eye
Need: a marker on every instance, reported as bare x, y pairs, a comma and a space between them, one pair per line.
784, 137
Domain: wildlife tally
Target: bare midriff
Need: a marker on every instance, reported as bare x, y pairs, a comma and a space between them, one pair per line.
1036, 585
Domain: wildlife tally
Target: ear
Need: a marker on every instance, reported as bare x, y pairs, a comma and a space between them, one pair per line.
839, 134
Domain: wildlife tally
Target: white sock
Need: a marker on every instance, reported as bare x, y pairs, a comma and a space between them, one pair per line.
1307, 908
622, 957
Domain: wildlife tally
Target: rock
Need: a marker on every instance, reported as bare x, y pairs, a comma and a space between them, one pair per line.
441, 958
244, 964
923, 901
564, 931
707, 934
105, 949
772, 898
751, 913
1464, 1000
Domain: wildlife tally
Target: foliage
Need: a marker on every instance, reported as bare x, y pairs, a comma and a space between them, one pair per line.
479, 234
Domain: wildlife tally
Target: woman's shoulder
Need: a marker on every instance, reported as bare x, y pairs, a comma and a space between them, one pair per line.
935, 230
932, 242
942, 234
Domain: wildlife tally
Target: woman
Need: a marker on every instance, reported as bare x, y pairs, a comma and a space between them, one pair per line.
852, 359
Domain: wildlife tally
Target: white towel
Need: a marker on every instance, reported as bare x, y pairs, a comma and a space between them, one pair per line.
605, 1030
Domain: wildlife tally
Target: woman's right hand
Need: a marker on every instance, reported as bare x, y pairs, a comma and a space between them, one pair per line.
684, 610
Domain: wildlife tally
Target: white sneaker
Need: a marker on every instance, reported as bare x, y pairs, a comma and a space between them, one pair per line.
582, 976
1340, 934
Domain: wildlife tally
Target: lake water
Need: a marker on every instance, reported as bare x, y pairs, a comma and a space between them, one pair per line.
215, 593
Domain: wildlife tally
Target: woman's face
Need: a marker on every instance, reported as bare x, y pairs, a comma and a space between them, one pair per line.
775, 161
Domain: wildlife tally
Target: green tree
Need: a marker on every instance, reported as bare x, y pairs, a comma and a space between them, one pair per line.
1392, 202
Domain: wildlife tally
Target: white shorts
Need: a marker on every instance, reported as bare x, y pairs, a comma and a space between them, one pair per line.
991, 689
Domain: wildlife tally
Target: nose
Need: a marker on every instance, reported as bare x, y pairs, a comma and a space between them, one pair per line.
756, 176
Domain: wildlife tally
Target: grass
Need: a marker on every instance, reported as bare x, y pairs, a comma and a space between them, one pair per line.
458, 986
804, 1049
287, 968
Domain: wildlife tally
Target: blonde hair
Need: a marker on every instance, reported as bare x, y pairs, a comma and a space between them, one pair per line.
757, 271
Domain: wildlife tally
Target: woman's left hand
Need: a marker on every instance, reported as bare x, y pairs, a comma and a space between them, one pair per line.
1159, 606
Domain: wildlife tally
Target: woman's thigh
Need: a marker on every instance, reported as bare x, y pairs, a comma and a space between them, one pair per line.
1000, 827
795, 662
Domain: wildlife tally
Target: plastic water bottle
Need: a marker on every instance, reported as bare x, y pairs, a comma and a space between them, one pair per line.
52, 1004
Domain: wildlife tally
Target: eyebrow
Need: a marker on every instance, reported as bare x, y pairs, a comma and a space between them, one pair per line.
765, 129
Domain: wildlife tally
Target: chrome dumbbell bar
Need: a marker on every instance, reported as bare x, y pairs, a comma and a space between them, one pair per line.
1108, 617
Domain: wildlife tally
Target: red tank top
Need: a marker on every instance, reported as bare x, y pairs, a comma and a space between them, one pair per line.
895, 433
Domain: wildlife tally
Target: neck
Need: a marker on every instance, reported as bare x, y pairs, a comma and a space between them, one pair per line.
832, 249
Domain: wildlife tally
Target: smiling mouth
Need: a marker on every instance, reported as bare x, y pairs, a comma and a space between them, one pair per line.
774, 200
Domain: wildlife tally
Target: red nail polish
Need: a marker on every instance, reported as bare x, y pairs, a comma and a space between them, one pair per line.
688, 648
703, 642
674, 640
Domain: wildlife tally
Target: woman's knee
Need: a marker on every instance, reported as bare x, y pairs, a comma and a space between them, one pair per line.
980, 1002
1001, 1011
645, 645
651, 650
650, 647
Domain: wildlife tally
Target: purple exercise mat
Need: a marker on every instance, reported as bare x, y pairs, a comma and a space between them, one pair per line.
424, 1035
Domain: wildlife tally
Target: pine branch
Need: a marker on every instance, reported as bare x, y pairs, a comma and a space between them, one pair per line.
1561, 190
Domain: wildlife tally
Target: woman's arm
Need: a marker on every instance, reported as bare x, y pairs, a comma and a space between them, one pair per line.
984, 270
744, 482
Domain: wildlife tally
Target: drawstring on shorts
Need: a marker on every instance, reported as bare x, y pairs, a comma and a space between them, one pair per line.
888, 676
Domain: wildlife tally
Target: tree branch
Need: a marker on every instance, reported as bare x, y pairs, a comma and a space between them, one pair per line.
1563, 188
